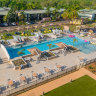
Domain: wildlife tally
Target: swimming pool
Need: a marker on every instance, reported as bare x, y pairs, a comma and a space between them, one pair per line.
84, 47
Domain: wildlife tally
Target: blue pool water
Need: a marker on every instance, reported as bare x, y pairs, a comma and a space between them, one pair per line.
84, 47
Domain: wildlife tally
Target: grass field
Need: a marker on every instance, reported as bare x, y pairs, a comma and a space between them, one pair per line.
84, 86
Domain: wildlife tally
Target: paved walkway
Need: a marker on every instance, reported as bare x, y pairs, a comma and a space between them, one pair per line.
58, 82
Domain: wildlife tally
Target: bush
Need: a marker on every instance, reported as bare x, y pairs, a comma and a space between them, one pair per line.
90, 67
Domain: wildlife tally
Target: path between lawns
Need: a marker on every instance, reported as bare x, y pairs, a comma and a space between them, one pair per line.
58, 82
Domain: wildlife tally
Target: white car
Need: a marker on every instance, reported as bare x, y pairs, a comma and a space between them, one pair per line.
5, 24
13, 24
28, 23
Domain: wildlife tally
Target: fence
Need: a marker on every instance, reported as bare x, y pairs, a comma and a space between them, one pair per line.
33, 84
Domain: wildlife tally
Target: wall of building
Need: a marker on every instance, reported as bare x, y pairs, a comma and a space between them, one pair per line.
6, 52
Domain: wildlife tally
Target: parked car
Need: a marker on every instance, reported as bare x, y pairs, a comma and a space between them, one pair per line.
28, 23
32, 22
13, 24
3, 24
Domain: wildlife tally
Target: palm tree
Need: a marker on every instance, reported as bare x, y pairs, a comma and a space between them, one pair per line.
74, 40
21, 52
51, 46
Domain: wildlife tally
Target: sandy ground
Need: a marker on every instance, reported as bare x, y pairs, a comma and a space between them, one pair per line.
58, 82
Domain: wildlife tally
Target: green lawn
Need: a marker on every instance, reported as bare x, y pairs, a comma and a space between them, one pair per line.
84, 86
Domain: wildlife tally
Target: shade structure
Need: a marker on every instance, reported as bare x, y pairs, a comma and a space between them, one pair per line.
34, 74
61, 45
10, 83
34, 51
47, 70
58, 66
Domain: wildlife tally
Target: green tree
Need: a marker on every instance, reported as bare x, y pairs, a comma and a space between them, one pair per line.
5, 18
11, 16
75, 40
48, 11
22, 16
70, 14
39, 4
50, 46
56, 15
21, 52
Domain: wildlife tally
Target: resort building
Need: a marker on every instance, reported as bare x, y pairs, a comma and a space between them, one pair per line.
85, 13
31, 15
3, 12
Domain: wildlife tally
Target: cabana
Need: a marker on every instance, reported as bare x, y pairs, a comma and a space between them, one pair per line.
56, 33
38, 37
17, 40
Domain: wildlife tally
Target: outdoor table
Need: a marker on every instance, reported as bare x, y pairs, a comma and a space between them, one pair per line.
10, 82
47, 70
58, 66
34, 74
22, 78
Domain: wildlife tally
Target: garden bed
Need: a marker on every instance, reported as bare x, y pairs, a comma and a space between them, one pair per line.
91, 67
51, 55
19, 63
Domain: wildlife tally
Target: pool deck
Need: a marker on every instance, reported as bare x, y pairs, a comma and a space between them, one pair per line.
2, 53
7, 71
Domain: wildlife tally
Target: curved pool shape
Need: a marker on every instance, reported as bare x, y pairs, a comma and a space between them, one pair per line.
84, 47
